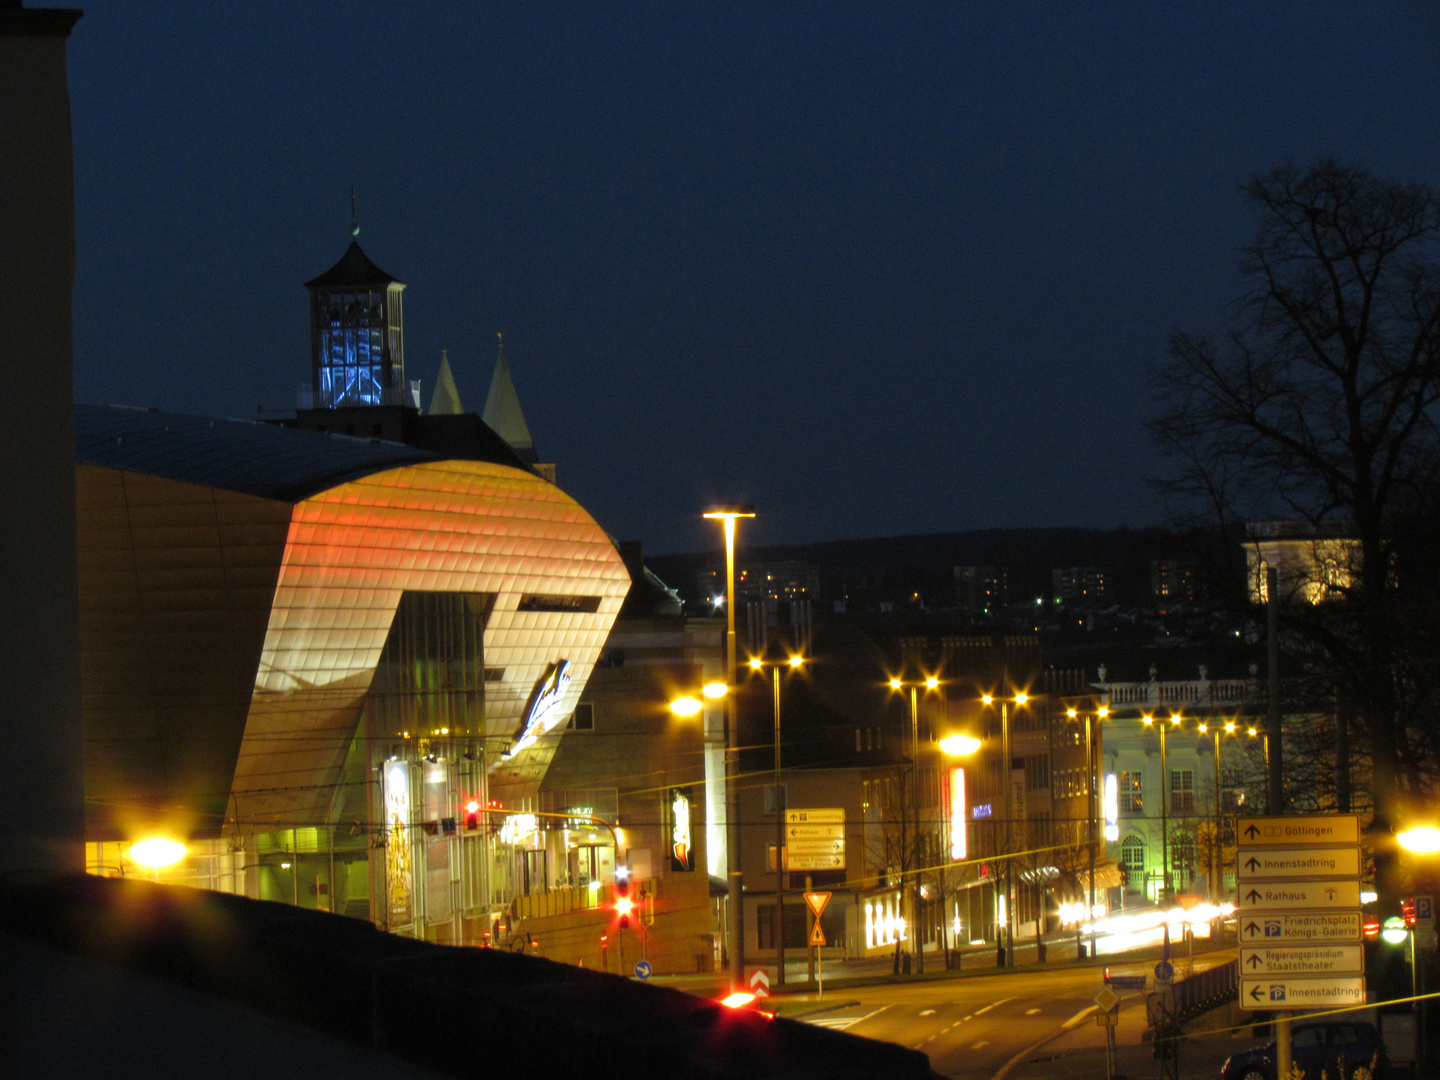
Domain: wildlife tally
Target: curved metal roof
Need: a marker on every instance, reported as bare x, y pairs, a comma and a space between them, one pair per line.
237, 455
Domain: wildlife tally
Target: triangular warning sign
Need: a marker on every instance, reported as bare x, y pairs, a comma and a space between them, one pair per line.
817, 935
817, 902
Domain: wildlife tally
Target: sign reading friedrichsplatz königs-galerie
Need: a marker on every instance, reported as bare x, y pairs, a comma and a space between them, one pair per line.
1298, 895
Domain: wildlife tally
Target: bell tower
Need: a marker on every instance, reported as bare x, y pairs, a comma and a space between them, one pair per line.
357, 340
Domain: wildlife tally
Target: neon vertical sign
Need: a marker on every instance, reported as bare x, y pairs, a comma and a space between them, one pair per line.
959, 848
1112, 808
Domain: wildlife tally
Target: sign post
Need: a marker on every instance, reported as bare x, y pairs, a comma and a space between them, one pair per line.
1298, 899
816, 902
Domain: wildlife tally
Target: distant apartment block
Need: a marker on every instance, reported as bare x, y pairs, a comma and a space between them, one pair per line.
1172, 583
1072, 584
764, 581
982, 590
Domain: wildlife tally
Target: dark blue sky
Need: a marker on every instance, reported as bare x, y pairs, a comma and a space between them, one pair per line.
879, 269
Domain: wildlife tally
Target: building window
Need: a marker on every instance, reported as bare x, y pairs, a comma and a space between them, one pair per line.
1182, 859
583, 718
1132, 793
1132, 860
1182, 791
1037, 772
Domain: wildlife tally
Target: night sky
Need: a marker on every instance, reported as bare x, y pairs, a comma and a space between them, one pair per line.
879, 269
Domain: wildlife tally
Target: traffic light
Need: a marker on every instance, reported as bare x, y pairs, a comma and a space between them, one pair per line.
472, 815
624, 902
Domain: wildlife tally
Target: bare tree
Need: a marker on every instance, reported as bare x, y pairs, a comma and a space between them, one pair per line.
1319, 404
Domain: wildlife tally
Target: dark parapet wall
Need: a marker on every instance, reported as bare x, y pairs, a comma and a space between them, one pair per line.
457, 1012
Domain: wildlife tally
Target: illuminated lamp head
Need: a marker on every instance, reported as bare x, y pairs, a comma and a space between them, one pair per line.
472, 807
1102, 712
715, 690
931, 683
895, 684
986, 699
685, 706
960, 745
1423, 840
756, 663
796, 661
1021, 698
157, 852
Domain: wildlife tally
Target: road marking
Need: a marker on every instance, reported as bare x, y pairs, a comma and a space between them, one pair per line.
927, 1012
1023, 1054
1031, 1012
840, 1023
993, 1004
964, 1018
982, 1042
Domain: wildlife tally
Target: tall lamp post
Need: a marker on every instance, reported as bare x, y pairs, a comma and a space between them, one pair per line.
1006, 953
1166, 890
1091, 777
728, 515
758, 664
913, 885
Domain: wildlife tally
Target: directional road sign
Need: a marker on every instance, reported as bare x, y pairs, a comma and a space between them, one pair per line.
834, 861
1295, 895
643, 969
815, 832
812, 847
815, 817
1291, 863
1303, 960
759, 982
1287, 993
1303, 926
1316, 829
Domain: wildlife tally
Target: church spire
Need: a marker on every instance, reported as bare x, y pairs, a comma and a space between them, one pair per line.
445, 401
502, 409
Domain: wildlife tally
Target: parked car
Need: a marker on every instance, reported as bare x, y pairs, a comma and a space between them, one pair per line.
1338, 1050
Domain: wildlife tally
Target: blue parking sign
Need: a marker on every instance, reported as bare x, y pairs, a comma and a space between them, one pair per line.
1425, 907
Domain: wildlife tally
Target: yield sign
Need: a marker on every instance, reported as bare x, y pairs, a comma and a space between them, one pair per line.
817, 902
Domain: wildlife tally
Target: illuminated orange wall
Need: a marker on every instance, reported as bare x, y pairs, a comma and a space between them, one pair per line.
454, 526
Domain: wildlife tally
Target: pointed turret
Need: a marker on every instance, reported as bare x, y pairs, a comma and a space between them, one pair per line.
445, 401
502, 409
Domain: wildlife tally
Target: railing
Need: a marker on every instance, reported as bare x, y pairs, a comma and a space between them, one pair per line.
1195, 692
1206, 990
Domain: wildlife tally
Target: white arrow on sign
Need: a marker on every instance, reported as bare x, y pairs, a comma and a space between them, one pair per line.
1294, 863
1291, 895
1287, 993
1306, 960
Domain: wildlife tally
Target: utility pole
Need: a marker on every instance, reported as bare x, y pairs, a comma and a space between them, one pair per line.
1274, 755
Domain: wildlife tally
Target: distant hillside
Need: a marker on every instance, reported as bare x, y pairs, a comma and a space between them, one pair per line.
902, 564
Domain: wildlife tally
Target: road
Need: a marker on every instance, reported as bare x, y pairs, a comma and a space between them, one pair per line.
970, 1027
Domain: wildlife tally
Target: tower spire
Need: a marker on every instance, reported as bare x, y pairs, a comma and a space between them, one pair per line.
502, 408
354, 218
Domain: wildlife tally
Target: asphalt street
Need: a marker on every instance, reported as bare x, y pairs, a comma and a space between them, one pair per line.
973, 1027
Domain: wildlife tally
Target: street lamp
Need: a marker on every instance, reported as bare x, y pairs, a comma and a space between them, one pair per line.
687, 706
955, 745
757, 665
1007, 950
728, 515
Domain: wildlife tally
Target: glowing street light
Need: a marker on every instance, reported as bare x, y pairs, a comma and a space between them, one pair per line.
960, 745
157, 852
686, 706
1422, 840
757, 665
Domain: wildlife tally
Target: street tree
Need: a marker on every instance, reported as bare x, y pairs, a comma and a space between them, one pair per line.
1318, 403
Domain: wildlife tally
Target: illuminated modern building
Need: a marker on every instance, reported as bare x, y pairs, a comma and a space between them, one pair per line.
1313, 563
312, 649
